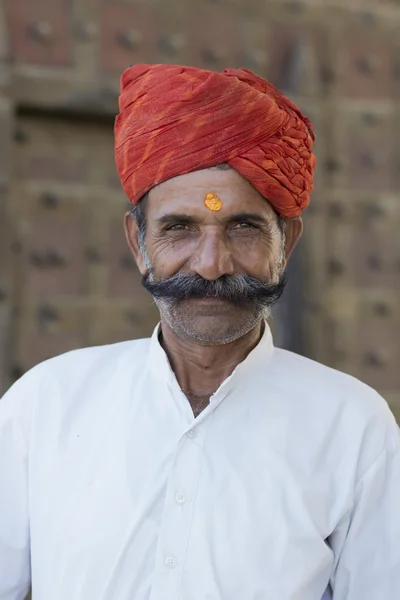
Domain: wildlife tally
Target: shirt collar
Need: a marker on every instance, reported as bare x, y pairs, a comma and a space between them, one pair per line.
160, 367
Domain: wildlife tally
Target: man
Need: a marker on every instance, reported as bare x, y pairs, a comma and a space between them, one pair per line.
202, 464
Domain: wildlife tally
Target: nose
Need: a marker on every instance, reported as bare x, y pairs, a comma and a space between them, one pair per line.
213, 258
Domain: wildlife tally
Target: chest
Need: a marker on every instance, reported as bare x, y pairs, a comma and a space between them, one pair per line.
198, 402
226, 493
233, 490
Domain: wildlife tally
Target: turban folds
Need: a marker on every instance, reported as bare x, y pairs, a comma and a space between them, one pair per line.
173, 120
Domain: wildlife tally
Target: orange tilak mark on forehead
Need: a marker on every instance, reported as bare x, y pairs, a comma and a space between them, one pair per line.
213, 202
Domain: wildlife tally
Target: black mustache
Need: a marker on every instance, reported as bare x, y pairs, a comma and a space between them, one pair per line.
238, 289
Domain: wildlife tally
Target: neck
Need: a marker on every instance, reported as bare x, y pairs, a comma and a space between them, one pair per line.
200, 370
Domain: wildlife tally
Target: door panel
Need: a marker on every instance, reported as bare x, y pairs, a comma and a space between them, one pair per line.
74, 283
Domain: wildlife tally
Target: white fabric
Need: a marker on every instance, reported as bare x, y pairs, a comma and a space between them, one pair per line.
111, 490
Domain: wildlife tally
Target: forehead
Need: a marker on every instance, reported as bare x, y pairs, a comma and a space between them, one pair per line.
185, 194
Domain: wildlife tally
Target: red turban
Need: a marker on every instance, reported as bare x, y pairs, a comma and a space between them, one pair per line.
174, 120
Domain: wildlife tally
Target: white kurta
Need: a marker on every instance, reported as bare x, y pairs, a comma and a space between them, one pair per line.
111, 490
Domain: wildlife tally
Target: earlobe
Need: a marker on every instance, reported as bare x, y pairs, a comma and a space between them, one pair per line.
132, 238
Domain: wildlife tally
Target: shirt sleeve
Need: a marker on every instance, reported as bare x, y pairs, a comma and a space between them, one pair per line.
14, 513
368, 541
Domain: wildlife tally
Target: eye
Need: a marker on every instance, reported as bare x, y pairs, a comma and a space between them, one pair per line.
244, 225
177, 227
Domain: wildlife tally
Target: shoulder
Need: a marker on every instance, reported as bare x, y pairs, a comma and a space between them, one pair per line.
337, 405
86, 361
316, 380
71, 371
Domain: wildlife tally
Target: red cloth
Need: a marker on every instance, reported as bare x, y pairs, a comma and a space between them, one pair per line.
174, 120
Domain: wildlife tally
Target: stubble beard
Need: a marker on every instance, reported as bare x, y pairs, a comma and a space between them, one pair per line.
210, 331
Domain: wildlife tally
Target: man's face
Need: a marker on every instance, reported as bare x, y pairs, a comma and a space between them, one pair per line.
213, 275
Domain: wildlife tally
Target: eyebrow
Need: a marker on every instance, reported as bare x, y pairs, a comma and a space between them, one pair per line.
175, 217
237, 218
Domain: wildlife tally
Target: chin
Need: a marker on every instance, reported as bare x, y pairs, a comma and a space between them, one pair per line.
214, 325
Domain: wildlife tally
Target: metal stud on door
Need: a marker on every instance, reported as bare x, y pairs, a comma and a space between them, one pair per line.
40, 32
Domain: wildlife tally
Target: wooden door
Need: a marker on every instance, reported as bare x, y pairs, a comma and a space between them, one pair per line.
73, 281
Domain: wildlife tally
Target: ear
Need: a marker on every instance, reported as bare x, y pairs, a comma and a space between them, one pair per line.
132, 237
293, 231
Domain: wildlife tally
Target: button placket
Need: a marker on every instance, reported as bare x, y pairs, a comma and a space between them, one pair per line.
176, 518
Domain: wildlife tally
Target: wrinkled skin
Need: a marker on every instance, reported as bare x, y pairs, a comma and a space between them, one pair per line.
184, 237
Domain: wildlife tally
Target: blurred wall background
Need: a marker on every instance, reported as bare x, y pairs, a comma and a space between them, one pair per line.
66, 278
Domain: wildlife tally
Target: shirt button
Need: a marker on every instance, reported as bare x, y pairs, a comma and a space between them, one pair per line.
191, 433
170, 562
180, 497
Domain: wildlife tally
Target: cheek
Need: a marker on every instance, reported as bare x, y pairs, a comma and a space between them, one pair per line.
260, 258
168, 258
254, 256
